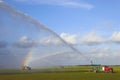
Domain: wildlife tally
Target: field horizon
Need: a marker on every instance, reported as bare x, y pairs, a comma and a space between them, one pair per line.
60, 73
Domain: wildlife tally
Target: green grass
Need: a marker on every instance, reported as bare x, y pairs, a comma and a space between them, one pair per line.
62, 76
66, 73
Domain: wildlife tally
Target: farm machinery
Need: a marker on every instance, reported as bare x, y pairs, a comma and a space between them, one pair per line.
99, 68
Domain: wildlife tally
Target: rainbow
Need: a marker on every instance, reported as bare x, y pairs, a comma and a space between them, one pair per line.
27, 57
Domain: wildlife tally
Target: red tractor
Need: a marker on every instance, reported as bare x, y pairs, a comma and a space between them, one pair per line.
107, 69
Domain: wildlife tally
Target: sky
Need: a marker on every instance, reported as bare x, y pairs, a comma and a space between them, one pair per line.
90, 26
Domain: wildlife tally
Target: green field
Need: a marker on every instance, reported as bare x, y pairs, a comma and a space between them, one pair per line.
66, 73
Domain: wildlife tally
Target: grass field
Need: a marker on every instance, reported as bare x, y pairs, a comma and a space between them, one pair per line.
66, 73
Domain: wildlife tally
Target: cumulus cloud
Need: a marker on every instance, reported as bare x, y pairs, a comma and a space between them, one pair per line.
69, 3
3, 44
51, 40
25, 42
115, 37
92, 39
69, 38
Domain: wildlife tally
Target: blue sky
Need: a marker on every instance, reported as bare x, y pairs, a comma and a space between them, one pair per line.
91, 26
79, 17
71, 18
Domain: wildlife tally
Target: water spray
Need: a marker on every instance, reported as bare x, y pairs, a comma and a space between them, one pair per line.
39, 26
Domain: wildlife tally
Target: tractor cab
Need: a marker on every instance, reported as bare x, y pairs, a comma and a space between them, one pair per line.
96, 68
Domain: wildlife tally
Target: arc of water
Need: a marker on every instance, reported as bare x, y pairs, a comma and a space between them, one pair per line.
39, 26
46, 56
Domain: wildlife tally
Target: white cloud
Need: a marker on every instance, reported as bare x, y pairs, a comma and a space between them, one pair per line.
51, 41
115, 37
69, 3
25, 42
91, 39
69, 38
